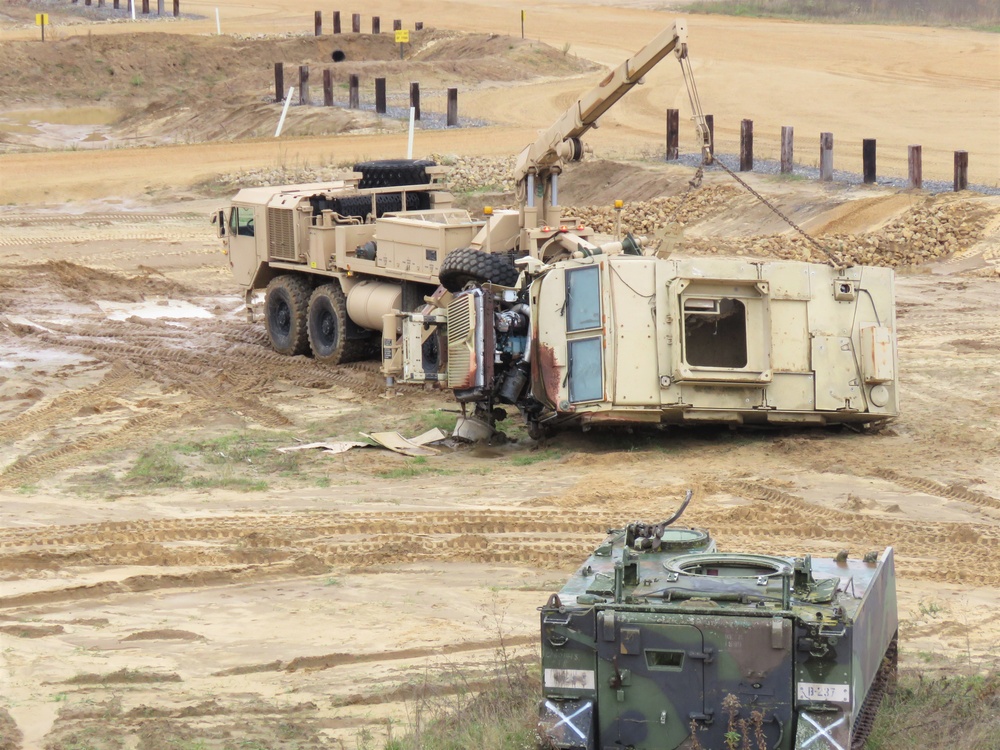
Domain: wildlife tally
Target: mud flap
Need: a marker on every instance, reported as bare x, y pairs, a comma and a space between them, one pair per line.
567, 724
823, 730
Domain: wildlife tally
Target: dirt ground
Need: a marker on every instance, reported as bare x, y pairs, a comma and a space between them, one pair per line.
168, 579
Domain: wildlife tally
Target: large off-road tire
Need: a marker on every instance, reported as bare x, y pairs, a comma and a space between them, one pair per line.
392, 172
331, 333
467, 264
286, 303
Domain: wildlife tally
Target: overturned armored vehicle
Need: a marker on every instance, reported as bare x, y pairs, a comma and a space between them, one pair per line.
661, 642
632, 339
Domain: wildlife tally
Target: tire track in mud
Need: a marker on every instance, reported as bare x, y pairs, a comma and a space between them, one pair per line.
939, 489
117, 381
27, 469
545, 538
69, 239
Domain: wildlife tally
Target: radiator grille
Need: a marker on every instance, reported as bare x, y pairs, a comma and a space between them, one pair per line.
281, 234
461, 341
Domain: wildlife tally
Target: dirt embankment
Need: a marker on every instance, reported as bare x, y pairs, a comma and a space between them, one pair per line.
161, 88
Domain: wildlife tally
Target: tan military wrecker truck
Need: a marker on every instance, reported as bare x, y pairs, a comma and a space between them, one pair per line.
534, 311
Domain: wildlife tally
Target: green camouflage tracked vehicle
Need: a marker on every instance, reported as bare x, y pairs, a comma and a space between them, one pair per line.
660, 642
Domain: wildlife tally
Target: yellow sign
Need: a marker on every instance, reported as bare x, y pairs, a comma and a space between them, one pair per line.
41, 19
403, 36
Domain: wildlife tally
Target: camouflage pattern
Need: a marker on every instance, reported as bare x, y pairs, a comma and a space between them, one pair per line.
676, 645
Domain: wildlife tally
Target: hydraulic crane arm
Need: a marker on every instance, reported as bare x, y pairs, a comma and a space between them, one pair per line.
561, 142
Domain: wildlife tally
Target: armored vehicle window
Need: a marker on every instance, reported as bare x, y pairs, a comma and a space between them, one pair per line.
657, 659
715, 332
586, 382
583, 299
242, 220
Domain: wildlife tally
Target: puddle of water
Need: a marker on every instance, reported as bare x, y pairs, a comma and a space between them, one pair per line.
152, 309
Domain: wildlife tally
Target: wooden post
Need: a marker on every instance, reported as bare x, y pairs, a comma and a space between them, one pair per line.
961, 170
327, 87
279, 82
117, 2
418, 26
353, 100
145, 6
673, 135
746, 146
787, 149
915, 159
380, 95
87, 3
336, 22
356, 23
397, 25
177, 7
710, 124
868, 160
376, 25
318, 23
159, 7
452, 108
303, 84
415, 99
826, 156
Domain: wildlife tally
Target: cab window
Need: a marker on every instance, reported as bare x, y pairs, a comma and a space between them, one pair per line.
241, 221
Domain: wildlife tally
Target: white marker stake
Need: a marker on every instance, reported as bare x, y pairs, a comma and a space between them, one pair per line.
218, 27
131, 4
284, 111
409, 143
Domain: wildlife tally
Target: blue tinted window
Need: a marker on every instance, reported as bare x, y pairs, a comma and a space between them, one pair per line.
586, 379
583, 299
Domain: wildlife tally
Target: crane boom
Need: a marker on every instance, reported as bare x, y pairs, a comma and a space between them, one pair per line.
560, 143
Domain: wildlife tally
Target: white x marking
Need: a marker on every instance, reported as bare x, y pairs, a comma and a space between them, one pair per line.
823, 731
567, 720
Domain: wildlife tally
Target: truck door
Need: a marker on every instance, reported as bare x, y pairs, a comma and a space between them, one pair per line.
242, 242
651, 680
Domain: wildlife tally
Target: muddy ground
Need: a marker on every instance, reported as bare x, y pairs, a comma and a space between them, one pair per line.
168, 579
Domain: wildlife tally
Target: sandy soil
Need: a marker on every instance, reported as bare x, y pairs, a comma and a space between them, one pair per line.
248, 597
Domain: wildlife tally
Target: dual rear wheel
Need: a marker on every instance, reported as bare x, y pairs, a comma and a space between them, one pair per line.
299, 318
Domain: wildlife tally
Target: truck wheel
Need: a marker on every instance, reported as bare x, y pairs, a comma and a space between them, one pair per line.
285, 304
467, 264
328, 328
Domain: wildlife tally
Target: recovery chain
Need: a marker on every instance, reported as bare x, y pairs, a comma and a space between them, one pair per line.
834, 260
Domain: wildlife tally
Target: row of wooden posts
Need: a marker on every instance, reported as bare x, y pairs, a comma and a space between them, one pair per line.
354, 92
397, 24
915, 158
129, 3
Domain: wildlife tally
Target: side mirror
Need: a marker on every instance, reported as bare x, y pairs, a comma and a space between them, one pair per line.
219, 219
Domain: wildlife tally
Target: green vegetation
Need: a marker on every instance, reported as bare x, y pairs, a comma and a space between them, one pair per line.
414, 467
534, 458
939, 713
237, 461
983, 15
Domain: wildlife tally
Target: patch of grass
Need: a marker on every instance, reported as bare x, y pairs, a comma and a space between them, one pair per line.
534, 458
156, 467
27, 489
323, 482
940, 713
229, 483
137, 80
434, 418
414, 467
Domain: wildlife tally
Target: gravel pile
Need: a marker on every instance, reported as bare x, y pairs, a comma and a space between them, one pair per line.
484, 174
646, 217
925, 233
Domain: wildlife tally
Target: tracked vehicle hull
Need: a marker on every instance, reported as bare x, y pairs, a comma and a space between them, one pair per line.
670, 644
